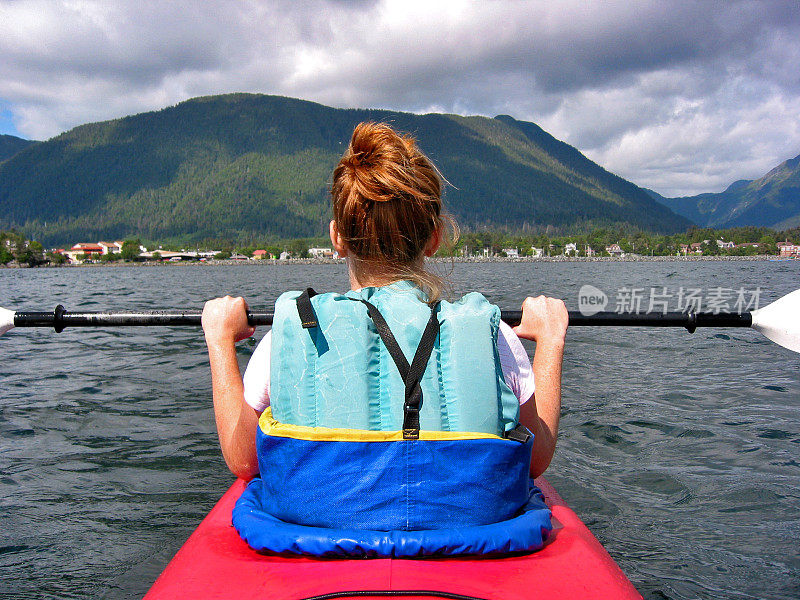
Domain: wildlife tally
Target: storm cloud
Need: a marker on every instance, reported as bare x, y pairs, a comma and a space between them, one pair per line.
679, 97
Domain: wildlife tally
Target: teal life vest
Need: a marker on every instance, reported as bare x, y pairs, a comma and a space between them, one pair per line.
366, 453
341, 374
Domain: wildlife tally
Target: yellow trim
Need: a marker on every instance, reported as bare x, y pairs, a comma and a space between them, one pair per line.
270, 426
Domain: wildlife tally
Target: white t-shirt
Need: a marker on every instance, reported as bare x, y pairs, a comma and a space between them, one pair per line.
513, 360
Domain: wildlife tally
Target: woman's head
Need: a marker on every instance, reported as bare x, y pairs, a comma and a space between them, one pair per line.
387, 207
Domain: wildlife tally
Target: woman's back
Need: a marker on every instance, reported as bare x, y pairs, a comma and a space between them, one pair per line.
448, 474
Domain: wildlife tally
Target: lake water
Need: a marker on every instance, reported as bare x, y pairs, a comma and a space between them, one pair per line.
681, 452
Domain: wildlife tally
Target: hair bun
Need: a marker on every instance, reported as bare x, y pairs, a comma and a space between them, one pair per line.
359, 159
366, 151
382, 165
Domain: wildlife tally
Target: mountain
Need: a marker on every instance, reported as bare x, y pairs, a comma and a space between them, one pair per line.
247, 167
771, 201
10, 145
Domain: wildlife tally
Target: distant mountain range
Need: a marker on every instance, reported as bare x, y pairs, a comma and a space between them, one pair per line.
11, 145
246, 167
772, 201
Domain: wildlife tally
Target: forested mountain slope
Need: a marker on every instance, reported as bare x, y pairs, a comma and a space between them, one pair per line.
247, 167
10, 145
772, 200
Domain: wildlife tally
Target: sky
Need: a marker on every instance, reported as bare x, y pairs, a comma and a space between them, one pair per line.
679, 97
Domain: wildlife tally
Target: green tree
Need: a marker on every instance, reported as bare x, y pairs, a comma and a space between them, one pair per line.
298, 248
23, 255
130, 249
156, 255
55, 258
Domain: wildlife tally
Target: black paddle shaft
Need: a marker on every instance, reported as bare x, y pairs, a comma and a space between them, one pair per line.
60, 318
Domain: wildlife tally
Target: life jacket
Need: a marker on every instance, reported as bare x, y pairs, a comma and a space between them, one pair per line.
364, 452
340, 373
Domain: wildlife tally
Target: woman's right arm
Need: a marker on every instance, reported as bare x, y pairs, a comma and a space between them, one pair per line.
545, 321
225, 323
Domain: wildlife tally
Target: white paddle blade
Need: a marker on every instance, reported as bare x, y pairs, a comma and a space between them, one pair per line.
6, 320
780, 321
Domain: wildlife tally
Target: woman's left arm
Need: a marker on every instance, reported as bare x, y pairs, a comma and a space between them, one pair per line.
225, 323
545, 321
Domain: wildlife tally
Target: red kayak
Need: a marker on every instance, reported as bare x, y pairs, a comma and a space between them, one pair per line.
215, 563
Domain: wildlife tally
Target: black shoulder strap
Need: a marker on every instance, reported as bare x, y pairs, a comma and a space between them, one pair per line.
308, 318
410, 374
413, 402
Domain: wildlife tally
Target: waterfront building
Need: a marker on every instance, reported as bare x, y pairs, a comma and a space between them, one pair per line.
320, 252
110, 247
789, 249
83, 248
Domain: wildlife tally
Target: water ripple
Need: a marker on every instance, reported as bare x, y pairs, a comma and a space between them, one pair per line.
679, 451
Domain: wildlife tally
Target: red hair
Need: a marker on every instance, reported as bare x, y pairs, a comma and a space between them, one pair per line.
387, 204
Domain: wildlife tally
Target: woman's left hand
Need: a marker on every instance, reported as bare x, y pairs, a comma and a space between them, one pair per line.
225, 319
544, 320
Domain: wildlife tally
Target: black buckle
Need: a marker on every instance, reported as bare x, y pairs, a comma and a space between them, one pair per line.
519, 434
410, 422
305, 309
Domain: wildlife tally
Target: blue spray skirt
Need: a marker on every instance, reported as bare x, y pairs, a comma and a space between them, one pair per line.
446, 493
265, 533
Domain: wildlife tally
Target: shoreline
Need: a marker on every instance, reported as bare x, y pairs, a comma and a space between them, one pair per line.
455, 259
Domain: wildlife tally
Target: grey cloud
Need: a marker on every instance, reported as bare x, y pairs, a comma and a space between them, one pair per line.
648, 88
122, 45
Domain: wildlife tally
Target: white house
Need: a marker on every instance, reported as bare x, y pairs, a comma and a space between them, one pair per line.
84, 248
511, 252
789, 249
110, 247
320, 252
614, 250
724, 244
571, 249
537, 252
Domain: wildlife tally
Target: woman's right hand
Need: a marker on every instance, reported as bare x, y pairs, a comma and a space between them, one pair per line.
544, 320
225, 319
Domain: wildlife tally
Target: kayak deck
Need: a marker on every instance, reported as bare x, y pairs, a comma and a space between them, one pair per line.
216, 563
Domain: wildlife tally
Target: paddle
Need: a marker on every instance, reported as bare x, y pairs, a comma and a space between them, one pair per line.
779, 321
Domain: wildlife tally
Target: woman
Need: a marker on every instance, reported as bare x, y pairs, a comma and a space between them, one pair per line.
388, 217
